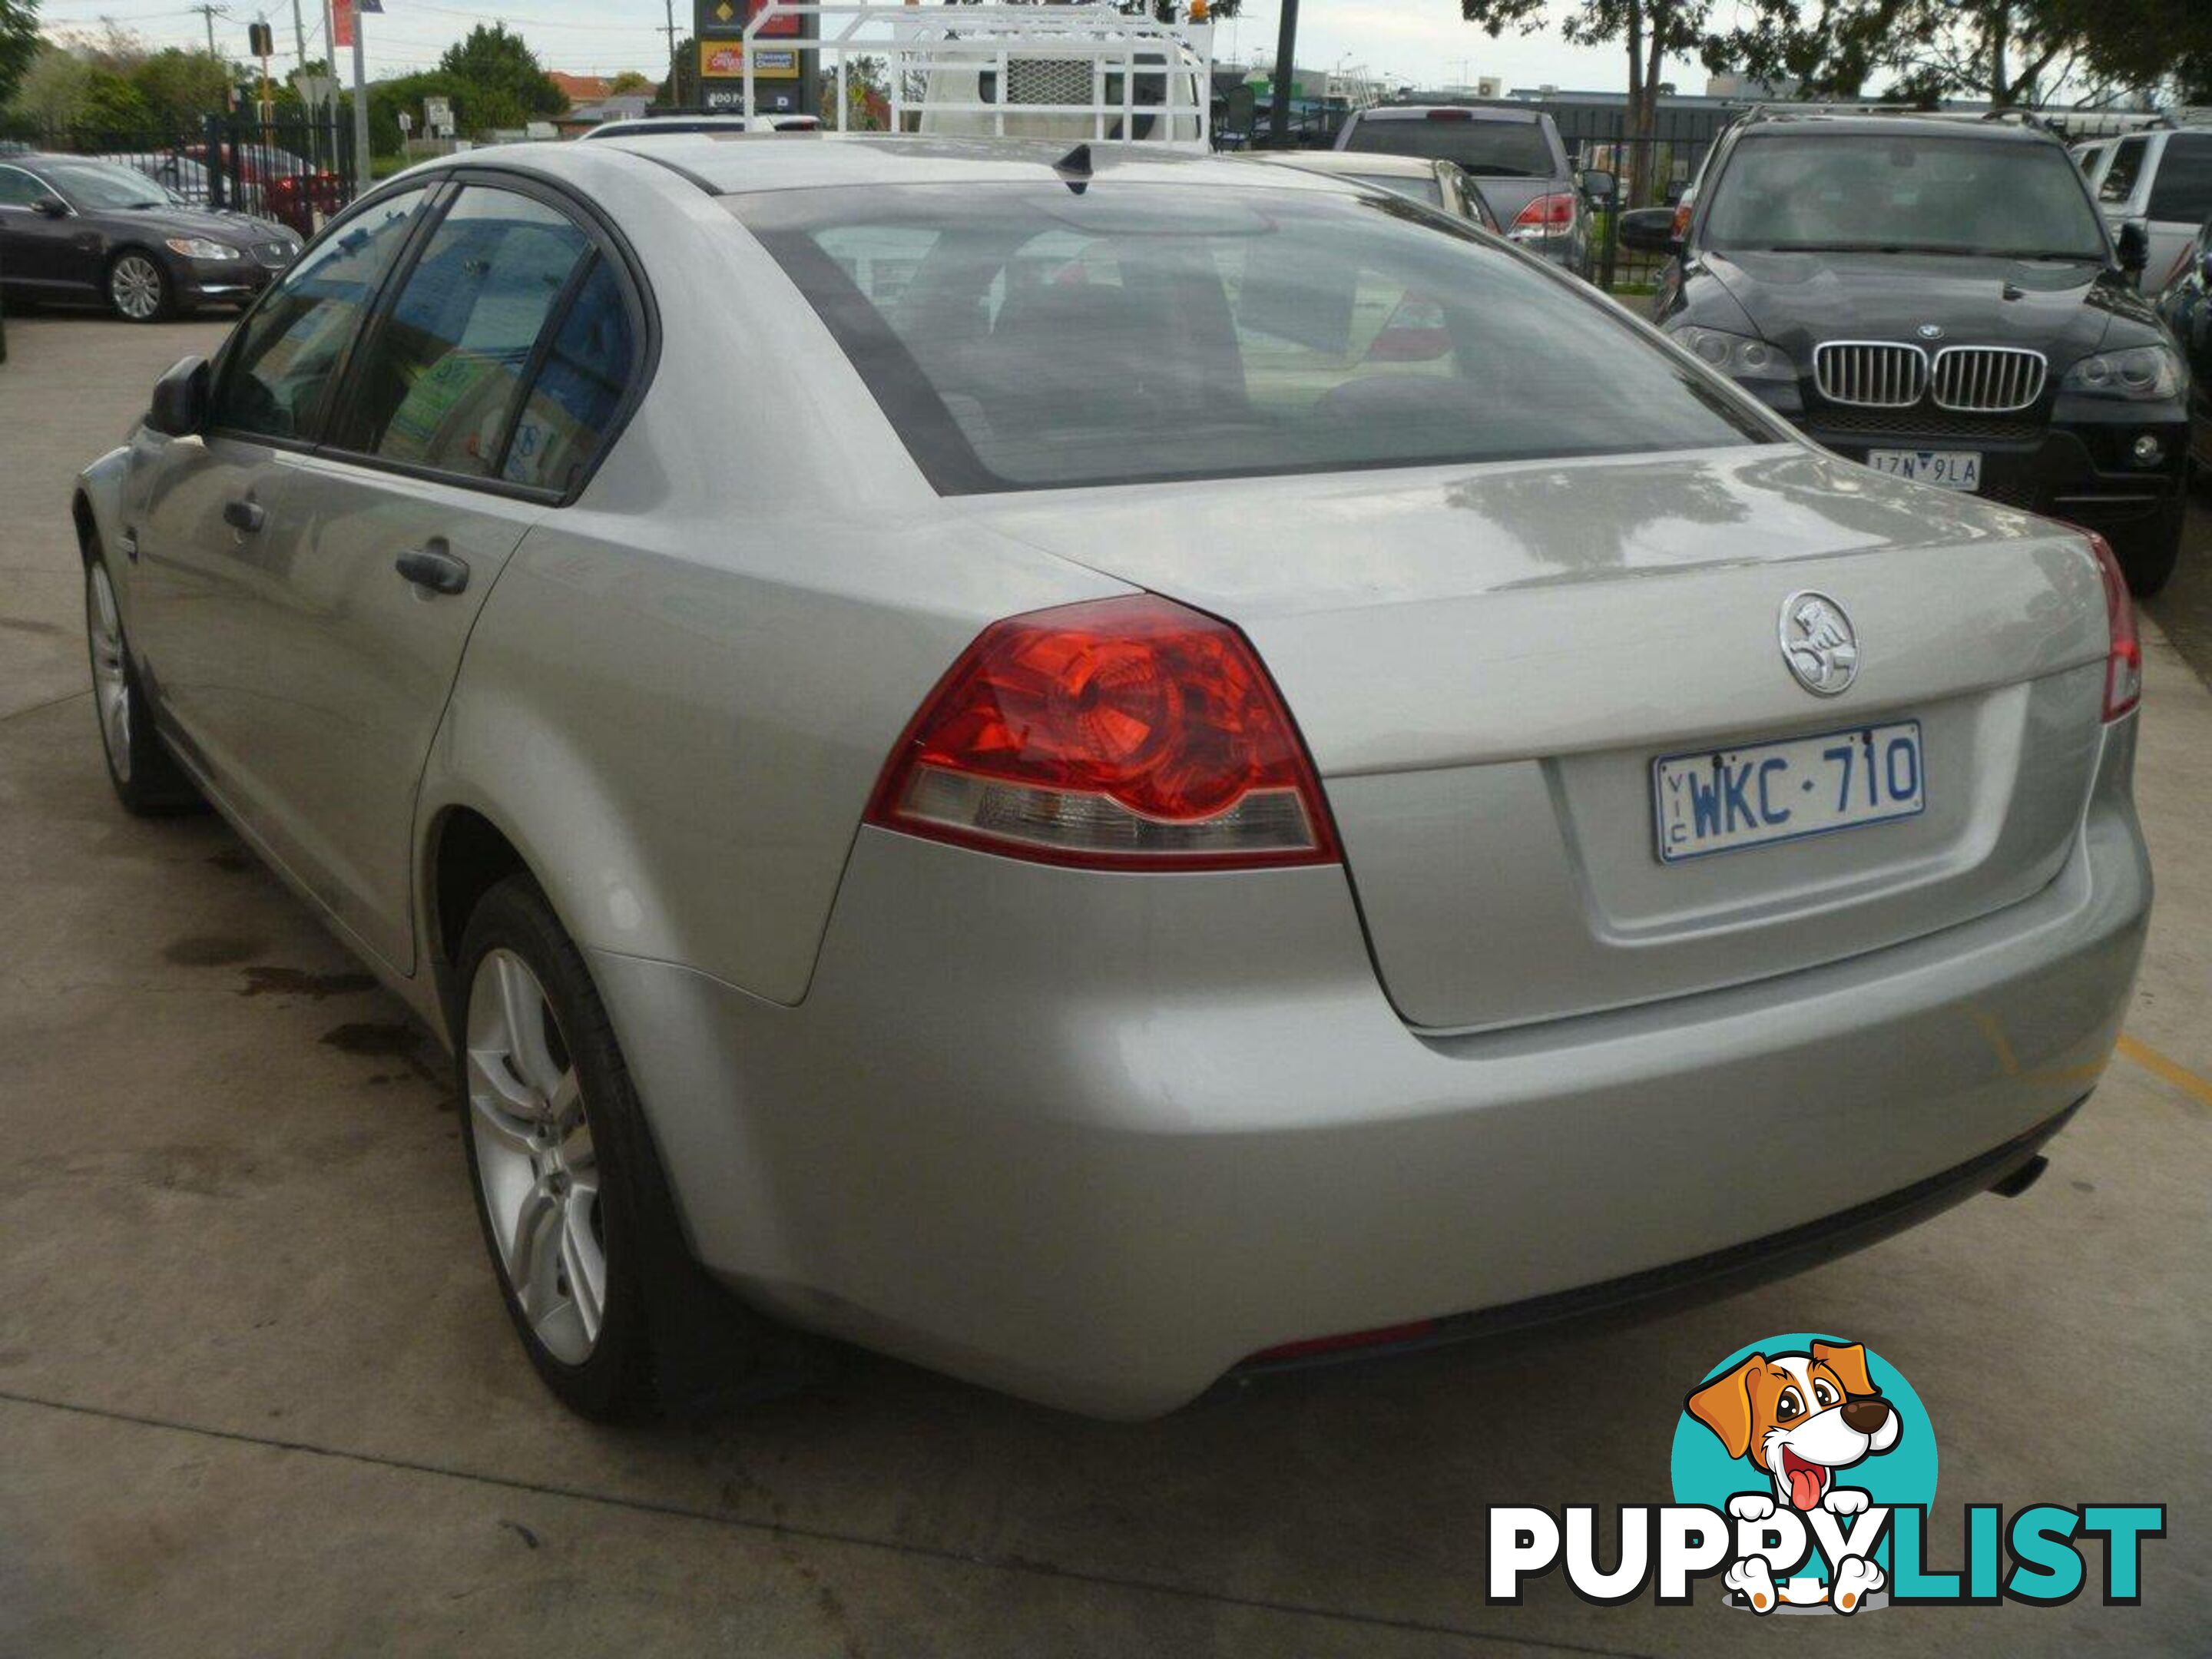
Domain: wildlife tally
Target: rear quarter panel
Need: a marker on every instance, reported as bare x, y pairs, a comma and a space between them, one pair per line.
683, 687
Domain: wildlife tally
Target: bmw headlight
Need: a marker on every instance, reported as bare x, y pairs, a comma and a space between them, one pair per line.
2143, 374
198, 248
1738, 355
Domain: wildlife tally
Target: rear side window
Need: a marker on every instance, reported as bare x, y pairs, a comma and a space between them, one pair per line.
442, 376
1027, 338
579, 387
283, 355
2118, 183
19, 189
2183, 188
1495, 150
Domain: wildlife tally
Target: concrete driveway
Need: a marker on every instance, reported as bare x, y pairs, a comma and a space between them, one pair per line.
257, 1395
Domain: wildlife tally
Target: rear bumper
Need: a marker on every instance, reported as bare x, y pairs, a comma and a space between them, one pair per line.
1095, 1139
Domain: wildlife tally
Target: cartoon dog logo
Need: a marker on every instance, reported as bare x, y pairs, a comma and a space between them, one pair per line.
1799, 1418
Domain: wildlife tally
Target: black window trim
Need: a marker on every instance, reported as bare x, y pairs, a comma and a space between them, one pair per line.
607, 244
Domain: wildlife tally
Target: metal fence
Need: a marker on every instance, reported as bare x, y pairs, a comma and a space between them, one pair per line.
297, 168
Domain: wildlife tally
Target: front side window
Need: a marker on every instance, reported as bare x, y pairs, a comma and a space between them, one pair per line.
285, 352
441, 379
2119, 180
1493, 149
2183, 189
19, 189
1025, 338
1902, 192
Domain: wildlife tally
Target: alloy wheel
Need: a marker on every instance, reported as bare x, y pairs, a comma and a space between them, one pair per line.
111, 683
535, 1165
136, 286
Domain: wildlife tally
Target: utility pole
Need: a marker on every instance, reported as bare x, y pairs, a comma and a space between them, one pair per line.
675, 85
360, 104
209, 11
298, 39
1286, 60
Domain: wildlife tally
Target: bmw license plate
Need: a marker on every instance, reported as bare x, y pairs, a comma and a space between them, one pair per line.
1754, 795
1953, 469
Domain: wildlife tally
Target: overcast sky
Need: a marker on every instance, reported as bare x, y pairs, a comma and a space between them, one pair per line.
1421, 41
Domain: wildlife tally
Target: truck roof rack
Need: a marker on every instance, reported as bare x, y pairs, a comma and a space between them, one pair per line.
1077, 68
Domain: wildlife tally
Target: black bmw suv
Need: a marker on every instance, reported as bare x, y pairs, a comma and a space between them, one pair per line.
1940, 298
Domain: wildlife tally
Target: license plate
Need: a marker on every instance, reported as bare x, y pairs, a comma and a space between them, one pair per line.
1755, 794
1953, 469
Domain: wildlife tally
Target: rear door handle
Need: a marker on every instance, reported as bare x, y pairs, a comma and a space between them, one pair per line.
246, 515
434, 568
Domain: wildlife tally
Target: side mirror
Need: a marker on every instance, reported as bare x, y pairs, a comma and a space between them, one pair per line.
50, 207
180, 399
1599, 184
1676, 188
1648, 230
2135, 247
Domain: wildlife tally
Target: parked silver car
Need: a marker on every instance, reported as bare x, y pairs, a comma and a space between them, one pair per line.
2162, 181
1223, 773
1513, 155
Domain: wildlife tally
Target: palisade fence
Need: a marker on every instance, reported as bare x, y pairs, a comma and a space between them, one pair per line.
296, 169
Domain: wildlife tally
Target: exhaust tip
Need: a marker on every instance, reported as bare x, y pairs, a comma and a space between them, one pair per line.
2022, 1178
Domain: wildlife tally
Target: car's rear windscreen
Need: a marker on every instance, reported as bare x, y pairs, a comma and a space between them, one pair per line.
1510, 149
1024, 337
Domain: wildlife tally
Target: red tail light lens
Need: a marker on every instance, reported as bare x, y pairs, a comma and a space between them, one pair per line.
2123, 660
1118, 734
1547, 216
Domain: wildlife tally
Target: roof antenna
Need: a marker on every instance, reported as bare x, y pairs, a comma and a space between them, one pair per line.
1074, 168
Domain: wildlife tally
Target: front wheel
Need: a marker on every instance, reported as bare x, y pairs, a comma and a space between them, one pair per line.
148, 780
138, 288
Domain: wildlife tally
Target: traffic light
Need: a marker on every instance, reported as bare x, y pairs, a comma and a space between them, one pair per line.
259, 41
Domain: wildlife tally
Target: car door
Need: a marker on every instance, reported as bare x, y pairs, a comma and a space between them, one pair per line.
456, 435
38, 254
206, 525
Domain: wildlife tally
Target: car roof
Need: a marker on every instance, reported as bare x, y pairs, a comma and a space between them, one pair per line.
1915, 124
1367, 163
1476, 111
741, 163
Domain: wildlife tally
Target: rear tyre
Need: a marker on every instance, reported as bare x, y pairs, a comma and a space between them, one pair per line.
2147, 557
567, 1186
138, 289
147, 779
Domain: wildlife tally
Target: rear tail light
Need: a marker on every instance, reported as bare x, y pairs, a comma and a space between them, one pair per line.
2123, 658
1547, 216
1128, 734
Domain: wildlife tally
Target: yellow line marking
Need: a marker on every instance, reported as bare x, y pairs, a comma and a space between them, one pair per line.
2172, 1071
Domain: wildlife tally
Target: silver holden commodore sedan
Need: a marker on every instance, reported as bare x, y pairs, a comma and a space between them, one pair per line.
1096, 768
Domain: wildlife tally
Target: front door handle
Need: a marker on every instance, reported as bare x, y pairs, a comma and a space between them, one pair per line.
434, 568
246, 515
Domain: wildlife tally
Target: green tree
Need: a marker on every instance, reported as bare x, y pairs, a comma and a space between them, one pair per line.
509, 84
180, 87
112, 108
628, 80
1651, 31
2009, 51
18, 45
681, 89
51, 90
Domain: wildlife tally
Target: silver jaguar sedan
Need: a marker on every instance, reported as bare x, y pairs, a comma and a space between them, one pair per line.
1100, 768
